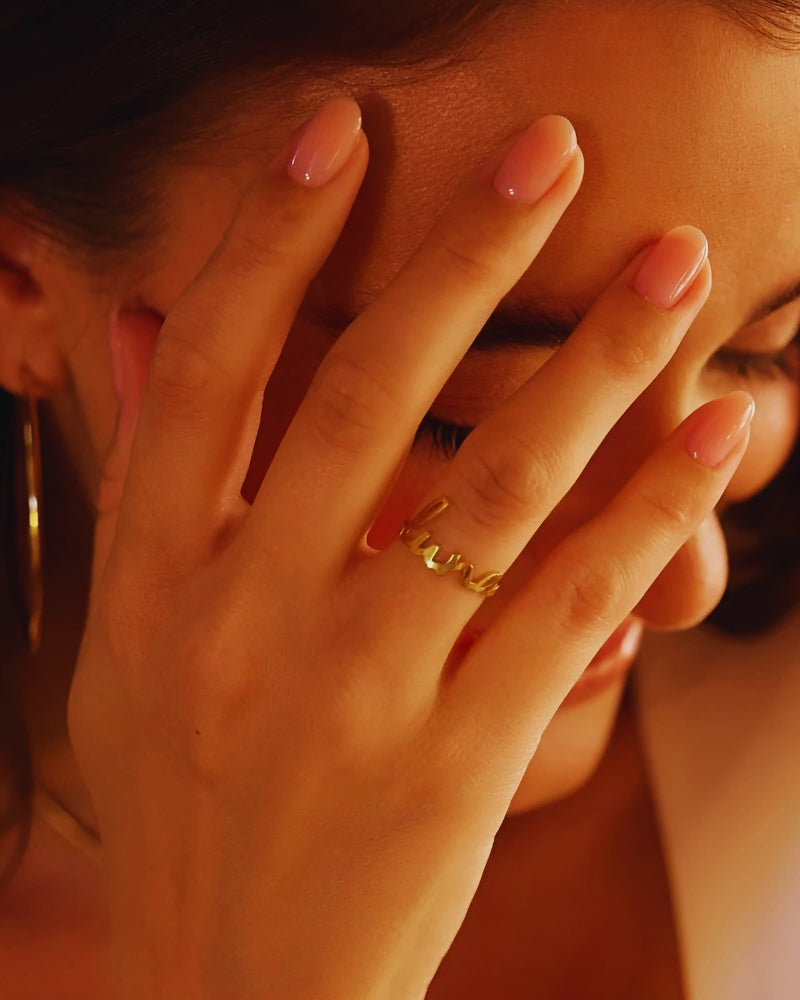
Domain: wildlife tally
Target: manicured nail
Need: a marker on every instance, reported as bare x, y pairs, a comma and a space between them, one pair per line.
325, 143
671, 266
718, 427
536, 160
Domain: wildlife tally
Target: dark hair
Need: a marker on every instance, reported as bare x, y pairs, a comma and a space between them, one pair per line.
96, 94
776, 20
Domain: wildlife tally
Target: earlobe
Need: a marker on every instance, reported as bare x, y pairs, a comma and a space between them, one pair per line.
30, 358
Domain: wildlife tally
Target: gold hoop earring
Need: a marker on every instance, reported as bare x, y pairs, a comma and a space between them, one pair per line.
29, 515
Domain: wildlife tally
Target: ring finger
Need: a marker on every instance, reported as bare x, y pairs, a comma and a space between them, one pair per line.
379, 379
516, 466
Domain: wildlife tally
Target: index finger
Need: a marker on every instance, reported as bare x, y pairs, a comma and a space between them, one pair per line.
381, 376
220, 342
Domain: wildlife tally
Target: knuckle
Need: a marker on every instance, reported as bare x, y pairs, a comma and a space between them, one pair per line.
669, 510
477, 259
218, 693
589, 596
183, 373
349, 401
253, 251
627, 351
465, 766
505, 480
265, 233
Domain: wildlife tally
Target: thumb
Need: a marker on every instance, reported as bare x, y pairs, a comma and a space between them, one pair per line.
132, 339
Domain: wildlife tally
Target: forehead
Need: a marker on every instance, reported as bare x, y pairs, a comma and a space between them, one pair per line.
683, 117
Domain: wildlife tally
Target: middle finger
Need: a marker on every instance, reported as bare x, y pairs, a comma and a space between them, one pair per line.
379, 379
517, 465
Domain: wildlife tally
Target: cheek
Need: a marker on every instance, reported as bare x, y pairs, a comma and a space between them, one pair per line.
772, 438
569, 753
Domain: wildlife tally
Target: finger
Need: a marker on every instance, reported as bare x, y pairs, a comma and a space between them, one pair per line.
516, 675
517, 465
381, 376
222, 339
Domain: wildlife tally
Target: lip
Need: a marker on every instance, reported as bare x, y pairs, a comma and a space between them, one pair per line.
611, 663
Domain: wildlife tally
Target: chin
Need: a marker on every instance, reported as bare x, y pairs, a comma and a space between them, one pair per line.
570, 751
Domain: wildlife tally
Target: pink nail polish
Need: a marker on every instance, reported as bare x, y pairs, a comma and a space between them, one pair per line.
718, 427
671, 266
536, 160
325, 143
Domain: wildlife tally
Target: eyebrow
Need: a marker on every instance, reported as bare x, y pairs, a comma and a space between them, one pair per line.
521, 325
526, 325
774, 304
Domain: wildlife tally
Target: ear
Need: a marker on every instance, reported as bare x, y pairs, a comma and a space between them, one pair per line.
31, 357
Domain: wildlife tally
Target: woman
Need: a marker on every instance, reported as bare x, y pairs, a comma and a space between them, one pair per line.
298, 749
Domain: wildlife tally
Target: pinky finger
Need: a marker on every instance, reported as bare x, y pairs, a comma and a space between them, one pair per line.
514, 678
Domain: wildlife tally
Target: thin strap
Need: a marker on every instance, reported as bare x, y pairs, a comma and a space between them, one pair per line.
60, 819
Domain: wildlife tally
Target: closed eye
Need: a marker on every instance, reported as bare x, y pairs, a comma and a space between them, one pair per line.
784, 363
445, 438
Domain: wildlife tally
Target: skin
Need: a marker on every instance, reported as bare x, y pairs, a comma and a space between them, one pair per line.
732, 175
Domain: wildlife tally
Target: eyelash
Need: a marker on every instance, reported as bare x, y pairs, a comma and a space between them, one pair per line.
446, 438
783, 363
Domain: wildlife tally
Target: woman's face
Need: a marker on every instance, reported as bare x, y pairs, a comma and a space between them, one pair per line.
683, 118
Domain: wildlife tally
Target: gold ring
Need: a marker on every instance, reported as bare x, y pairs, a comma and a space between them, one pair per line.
418, 540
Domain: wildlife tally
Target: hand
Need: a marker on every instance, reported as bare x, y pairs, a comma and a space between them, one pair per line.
294, 799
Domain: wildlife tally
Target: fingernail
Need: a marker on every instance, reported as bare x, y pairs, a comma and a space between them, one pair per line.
718, 427
325, 143
671, 266
536, 160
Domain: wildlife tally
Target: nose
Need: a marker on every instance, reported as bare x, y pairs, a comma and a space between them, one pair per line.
692, 583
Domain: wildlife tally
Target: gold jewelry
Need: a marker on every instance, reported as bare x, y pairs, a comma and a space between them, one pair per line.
59, 818
29, 539
418, 540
